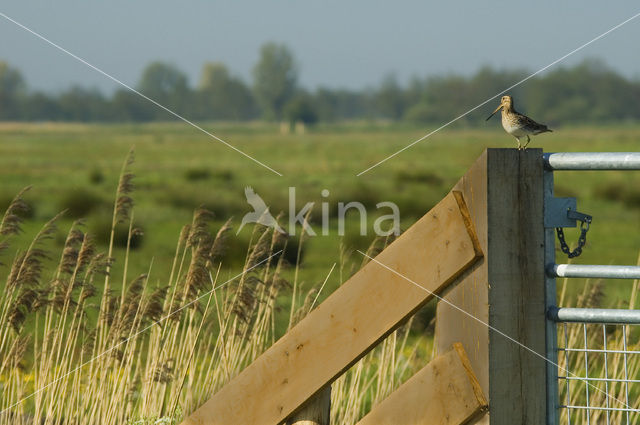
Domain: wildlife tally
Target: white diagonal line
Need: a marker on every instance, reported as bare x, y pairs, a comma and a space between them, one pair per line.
322, 287
498, 331
109, 76
560, 59
138, 333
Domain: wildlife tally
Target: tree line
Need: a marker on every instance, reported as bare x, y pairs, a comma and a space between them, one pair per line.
589, 92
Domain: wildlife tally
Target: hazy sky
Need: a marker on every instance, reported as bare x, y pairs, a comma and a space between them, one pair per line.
343, 43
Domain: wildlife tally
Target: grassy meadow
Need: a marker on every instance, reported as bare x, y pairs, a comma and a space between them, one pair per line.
178, 170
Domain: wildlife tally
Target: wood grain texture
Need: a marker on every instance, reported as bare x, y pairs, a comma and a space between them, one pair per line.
445, 392
352, 320
316, 411
506, 288
471, 292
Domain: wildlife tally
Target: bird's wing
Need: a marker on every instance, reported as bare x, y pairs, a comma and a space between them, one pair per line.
532, 126
254, 199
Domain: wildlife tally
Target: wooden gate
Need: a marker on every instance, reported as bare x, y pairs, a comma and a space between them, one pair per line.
480, 252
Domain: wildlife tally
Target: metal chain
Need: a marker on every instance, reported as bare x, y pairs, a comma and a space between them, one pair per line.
582, 240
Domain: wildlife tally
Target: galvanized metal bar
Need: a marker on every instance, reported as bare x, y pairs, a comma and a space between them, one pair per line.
580, 378
594, 315
626, 369
613, 409
592, 161
595, 350
551, 331
567, 366
594, 271
586, 373
606, 371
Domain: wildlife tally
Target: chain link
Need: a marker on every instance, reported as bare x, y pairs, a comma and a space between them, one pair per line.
582, 240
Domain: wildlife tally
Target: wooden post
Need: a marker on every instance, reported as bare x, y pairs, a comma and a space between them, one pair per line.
505, 289
316, 411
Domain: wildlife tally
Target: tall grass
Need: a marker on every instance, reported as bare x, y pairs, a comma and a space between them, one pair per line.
79, 345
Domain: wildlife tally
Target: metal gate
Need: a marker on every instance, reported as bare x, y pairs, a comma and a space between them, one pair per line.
588, 336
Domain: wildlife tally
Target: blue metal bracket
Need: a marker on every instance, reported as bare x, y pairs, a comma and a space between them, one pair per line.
555, 212
562, 212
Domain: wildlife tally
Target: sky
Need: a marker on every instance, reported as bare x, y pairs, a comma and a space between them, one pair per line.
339, 44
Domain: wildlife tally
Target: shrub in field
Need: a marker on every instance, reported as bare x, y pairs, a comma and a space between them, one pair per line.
185, 198
616, 191
96, 176
80, 202
425, 177
206, 173
193, 174
101, 228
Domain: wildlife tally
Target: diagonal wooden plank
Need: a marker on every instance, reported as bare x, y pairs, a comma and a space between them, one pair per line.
364, 310
445, 392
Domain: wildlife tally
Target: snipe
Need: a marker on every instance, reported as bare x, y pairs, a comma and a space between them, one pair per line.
516, 124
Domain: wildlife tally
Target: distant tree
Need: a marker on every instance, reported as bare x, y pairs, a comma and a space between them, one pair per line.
332, 104
390, 100
587, 92
81, 104
414, 92
301, 109
39, 106
326, 104
128, 106
275, 77
441, 100
487, 82
168, 86
223, 96
12, 92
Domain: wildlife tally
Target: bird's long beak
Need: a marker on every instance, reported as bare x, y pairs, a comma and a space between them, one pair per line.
494, 112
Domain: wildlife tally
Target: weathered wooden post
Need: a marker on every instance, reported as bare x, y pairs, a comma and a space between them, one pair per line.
316, 411
505, 289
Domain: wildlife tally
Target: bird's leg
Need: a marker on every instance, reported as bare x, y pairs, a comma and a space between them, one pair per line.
519, 145
526, 144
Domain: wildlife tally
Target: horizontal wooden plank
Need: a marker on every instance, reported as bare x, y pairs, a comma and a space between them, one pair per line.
445, 392
365, 309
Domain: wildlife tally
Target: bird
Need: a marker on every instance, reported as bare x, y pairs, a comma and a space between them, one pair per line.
516, 124
260, 212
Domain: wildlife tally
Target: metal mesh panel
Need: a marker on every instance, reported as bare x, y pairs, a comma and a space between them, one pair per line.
599, 373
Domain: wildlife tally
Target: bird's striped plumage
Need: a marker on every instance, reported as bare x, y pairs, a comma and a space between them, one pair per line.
516, 124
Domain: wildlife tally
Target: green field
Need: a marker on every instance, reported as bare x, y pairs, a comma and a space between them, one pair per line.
77, 167
177, 169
